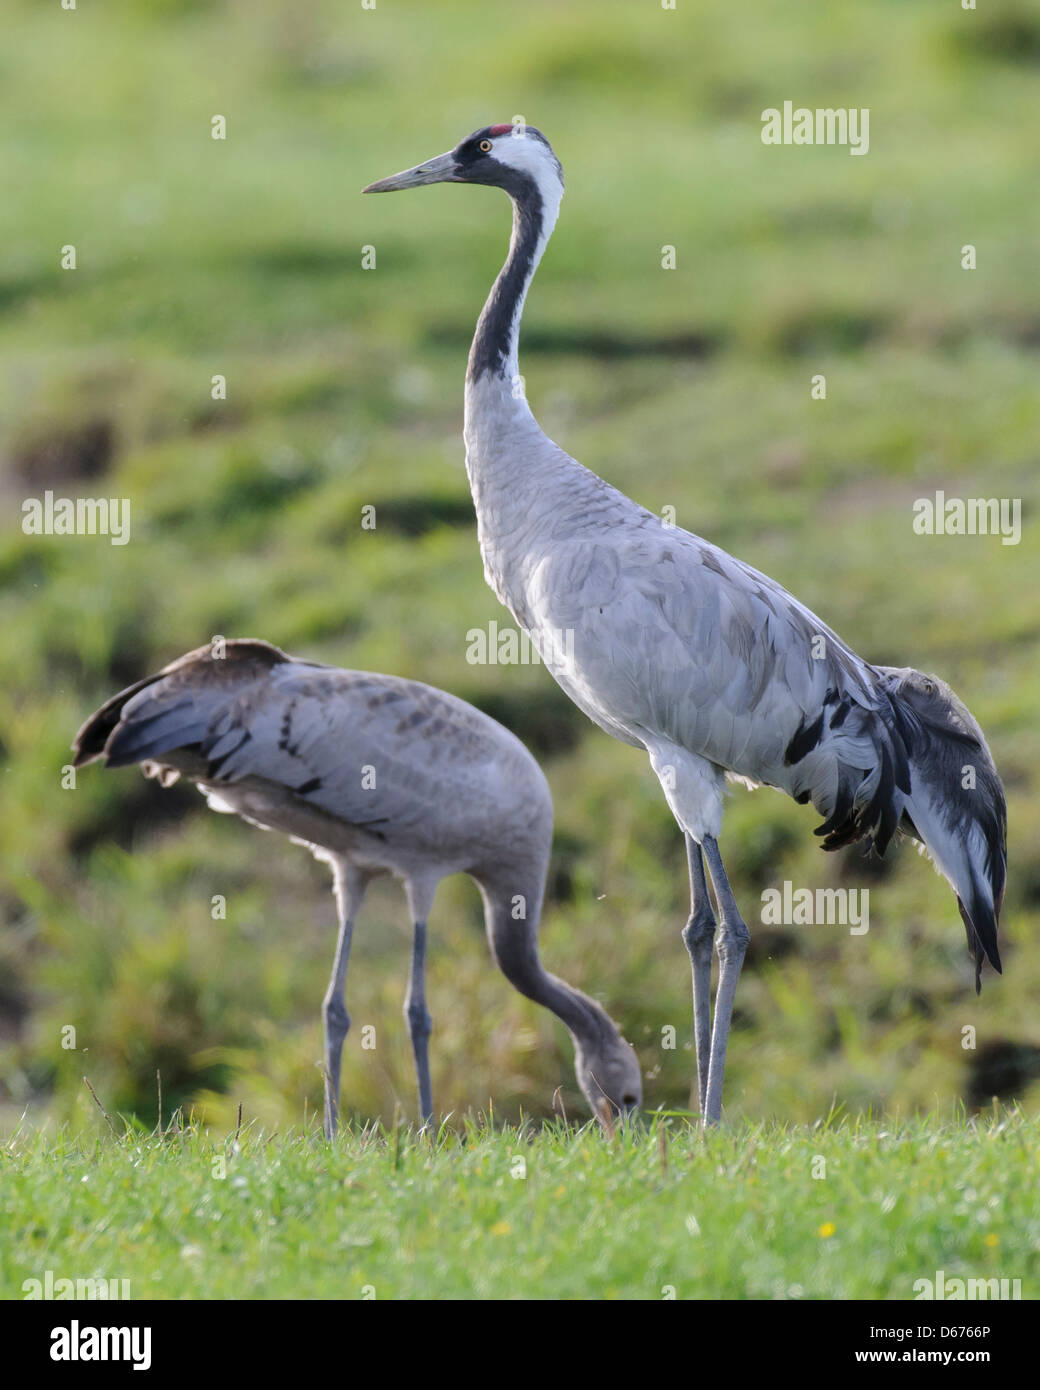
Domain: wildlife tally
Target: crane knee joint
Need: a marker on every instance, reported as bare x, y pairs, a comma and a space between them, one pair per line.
420, 1024
337, 1020
699, 932
733, 939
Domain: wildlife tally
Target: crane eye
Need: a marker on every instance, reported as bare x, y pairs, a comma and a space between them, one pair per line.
485, 145
929, 687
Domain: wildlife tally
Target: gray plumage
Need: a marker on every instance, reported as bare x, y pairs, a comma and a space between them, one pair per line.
672, 645
376, 775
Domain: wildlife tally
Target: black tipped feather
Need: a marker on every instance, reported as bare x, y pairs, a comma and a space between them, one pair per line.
215, 764
980, 924
839, 817
169, 727
90, 742
841, 713
804, 741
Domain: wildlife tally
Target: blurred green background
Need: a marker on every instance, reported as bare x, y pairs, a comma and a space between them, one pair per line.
688, 387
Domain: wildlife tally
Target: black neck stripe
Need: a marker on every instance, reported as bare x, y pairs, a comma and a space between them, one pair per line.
491, 342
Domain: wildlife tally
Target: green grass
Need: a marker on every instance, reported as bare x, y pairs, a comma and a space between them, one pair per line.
835, 1210
243, 257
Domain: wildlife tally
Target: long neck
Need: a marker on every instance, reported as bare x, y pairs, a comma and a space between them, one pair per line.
514, 944
494, 349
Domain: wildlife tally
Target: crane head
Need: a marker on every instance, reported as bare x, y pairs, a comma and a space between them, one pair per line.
608, 1074
503, 156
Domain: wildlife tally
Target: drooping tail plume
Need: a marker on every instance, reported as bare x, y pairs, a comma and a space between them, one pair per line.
956, 807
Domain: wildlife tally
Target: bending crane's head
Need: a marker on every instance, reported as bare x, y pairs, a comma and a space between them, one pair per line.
504, 156
956, 806
608, 1073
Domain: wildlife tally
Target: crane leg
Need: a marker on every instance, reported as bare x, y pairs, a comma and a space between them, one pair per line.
350, 889
733, 938
337, 1022
698, 936
419, 1023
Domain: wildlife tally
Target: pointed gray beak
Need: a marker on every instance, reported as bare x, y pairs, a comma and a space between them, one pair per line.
440, 170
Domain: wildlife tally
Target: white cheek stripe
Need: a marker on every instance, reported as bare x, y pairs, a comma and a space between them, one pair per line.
530, 156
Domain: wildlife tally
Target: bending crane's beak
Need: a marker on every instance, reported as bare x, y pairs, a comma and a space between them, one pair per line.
443, 169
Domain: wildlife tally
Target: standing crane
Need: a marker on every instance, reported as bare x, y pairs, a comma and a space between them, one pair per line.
671, 645
375, 775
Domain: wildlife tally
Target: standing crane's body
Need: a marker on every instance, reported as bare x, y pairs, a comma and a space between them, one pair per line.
376, 775
672, 645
